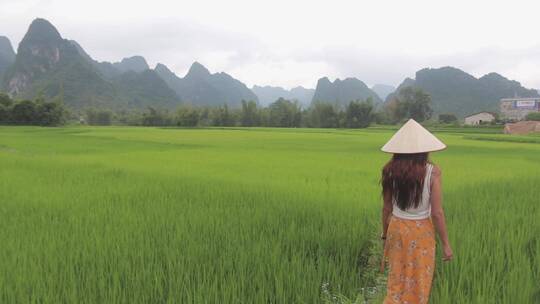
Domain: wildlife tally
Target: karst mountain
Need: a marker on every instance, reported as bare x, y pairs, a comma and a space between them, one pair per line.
49, 65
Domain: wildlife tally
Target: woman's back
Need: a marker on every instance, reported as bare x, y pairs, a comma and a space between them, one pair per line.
423, 210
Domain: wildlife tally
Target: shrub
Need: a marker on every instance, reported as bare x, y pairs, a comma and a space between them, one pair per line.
533, 116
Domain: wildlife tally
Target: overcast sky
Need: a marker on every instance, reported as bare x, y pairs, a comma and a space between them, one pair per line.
290, 43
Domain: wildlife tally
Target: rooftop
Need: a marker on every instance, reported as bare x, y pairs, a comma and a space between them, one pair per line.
490, 113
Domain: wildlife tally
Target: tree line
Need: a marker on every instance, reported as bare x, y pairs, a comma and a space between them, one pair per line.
407, 103
32, 112
281, 113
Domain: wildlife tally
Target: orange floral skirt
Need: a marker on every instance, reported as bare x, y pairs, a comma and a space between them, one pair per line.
410, 253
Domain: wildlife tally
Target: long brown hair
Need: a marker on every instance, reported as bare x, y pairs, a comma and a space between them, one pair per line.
403, 179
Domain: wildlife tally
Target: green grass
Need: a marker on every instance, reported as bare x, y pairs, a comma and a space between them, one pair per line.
148, 215
529, 138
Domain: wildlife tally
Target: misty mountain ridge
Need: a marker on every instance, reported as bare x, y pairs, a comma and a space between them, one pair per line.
455, 91
269, 94
383, 90
109, 70
344, 91
47, 64
135, 64
200, 87
7, 55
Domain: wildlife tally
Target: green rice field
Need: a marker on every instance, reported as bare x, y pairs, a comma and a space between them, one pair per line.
150, 215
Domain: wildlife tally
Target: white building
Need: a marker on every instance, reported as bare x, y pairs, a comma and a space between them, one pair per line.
517, 108
479, 118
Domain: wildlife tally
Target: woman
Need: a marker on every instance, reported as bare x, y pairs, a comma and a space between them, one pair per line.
412, 205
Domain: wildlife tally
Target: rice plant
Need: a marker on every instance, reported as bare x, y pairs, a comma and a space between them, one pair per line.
149, 215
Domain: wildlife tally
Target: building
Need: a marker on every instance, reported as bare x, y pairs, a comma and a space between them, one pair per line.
517, 108
479, 118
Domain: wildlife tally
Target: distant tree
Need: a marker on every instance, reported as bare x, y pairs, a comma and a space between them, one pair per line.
5, 114
417, 103
264, 116
284, 113
394, 111
323, 115
410, 102
50, 113
187, 116
222, 116
205, 117
342, 118
154, 117
24, 112
359, 114
130, 117
381, 117
5, 108
5, 100
98, 117
533, 116
447, 118
250, 114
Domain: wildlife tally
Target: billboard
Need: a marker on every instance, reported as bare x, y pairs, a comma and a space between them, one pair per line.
525, 104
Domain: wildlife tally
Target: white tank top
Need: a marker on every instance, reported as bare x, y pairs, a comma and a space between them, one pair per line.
423, 211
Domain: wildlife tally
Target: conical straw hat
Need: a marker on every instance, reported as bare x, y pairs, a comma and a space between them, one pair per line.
413, 138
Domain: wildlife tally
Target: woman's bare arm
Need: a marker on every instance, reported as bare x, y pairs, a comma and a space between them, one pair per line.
386, 213
437, 213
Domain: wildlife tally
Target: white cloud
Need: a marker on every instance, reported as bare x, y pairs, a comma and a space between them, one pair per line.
291, 43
